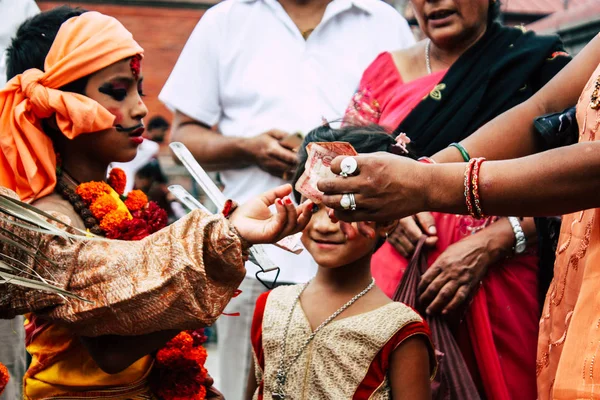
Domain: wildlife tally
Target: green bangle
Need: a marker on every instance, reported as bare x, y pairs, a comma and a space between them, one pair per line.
463, 151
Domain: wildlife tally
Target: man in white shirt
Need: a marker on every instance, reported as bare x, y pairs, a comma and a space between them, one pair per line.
12, 332
253, 72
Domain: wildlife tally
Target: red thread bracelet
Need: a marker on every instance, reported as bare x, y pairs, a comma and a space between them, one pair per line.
475, 187
467, 183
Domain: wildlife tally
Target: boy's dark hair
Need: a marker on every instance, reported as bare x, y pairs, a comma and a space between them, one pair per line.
364, 139
157, 122
33, 41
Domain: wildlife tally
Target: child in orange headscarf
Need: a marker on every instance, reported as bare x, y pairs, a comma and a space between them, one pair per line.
78, 66
75, 89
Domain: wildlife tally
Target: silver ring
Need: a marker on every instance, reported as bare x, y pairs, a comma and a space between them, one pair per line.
348, 166
348, 201
345, 201
352, 201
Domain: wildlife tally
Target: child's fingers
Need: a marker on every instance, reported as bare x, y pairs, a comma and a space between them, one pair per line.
348, 230
304, 215
365, 230
292, 216
271, 196
277, 223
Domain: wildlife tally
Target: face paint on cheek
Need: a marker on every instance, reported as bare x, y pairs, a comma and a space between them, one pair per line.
118, 115
136, 65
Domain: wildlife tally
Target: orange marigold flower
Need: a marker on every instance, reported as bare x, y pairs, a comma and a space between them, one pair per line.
103, 205
90, 191
114, 219
4, 377
182, 341
136, 200
117, 180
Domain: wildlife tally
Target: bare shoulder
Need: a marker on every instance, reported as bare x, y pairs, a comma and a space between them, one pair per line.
410, 61
55, 203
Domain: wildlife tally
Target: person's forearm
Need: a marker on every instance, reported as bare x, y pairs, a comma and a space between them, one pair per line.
511, 134
495, 141
179, 278
550, 183
213, 150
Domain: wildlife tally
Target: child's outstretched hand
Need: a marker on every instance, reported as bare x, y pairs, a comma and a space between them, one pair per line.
255, 222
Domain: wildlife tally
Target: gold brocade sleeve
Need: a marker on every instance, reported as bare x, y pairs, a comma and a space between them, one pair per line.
181, 278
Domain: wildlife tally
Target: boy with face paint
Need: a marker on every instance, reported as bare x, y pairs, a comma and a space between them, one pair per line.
76, 90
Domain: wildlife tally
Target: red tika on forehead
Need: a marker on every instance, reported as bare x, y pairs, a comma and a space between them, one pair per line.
136, 65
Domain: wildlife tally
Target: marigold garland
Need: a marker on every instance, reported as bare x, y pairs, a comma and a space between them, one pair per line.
179, 371
136, 199
117, 180
113, 220
103, 205
4, 377
90, 191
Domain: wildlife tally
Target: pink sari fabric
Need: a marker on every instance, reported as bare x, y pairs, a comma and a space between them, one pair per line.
499, 333
383, 98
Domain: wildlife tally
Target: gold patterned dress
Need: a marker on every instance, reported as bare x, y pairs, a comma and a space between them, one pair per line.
569, 344
348, 359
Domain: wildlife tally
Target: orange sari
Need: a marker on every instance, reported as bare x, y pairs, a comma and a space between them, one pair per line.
569, 340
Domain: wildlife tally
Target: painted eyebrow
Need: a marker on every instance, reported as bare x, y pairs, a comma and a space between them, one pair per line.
124, 79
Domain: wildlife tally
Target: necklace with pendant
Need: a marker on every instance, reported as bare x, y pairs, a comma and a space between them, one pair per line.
282, 371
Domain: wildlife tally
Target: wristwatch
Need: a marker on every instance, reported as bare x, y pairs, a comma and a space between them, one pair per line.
520, 239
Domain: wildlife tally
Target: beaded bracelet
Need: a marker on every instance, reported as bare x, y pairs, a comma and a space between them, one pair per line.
463, 151
475, 187
467, 183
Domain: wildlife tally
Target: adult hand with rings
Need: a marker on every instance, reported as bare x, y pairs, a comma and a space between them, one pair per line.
388, 187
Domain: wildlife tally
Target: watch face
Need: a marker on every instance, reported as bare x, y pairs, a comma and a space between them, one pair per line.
520, 247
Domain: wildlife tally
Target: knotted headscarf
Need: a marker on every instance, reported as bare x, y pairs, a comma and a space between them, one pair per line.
84, 44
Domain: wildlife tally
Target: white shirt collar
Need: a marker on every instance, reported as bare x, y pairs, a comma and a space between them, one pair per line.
362, 4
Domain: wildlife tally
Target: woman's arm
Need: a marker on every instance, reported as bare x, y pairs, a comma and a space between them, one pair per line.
410, 371
555, 182
511, 134
389, 187
114, 353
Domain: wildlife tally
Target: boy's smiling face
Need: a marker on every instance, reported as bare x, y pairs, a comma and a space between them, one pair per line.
329, 246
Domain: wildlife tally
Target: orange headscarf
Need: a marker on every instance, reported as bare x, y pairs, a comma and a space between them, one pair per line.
83, 45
